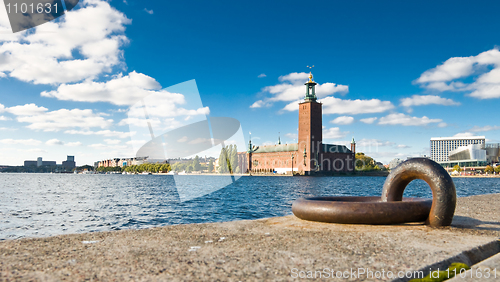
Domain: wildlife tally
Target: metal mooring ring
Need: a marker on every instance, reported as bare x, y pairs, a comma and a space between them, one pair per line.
444, 195
361, 210
391, 208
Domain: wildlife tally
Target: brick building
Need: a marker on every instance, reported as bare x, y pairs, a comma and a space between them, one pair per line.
309, 156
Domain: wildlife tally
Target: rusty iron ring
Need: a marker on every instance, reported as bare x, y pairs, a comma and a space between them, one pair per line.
444, 195
361, 210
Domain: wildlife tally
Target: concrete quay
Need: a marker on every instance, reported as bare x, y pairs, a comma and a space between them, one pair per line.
272, 249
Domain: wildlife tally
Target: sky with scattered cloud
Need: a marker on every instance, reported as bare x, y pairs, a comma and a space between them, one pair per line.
78, 85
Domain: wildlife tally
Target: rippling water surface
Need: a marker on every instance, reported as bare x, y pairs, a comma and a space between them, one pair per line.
35, 205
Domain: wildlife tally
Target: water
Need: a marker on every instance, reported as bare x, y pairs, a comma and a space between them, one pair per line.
37, 205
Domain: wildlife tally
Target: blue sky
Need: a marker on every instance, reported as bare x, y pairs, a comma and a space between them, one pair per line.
391, 74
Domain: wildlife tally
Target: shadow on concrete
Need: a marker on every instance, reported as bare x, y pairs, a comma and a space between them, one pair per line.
472, 223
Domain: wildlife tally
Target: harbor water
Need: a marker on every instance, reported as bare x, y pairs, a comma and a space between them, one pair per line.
40, 205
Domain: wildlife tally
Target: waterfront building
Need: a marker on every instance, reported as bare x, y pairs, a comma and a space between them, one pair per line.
121, 162
441, 146
30, 163
309, 156
69, 163
39, 162
466, 151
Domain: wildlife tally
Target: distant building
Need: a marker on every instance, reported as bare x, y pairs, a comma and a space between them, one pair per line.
121, 162
39, 162
466, 151
309, 156
441, 146
69, 164
30, 163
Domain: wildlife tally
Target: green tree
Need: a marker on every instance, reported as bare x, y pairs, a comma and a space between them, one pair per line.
85, 167
497, 169
457, 168
178, 167
234, 158
365, 163
165, 168
196, 164
211, 165
223, 161
489, 169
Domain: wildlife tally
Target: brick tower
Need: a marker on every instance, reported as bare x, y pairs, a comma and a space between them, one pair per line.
310, 129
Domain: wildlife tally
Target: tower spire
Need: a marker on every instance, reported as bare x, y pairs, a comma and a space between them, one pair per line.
310, 87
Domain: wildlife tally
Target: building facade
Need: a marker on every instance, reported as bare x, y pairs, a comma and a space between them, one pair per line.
309, 156
121, 162
69, 163
39, 162
441, 146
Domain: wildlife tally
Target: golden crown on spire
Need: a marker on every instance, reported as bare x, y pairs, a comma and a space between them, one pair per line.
310, 74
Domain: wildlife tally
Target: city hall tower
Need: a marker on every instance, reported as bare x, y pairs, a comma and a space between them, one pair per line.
310, 127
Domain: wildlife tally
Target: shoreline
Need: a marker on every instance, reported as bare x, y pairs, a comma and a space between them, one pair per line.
254, 250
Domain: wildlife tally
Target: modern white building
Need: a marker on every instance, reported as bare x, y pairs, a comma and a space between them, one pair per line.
441, 146
473, 153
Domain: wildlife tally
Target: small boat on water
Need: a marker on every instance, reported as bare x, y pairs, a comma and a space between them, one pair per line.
146, 173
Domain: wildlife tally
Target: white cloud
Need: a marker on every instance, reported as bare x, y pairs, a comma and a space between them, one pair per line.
295, 77
112, 141
120, 90
261, 75
292, 88
405, 120
136, 142
107, 133
27, 142
4, 118
368, 120
401, 146
73, 144
199, 141
164, 104
373, 143
464, 134
484, 69
64, 119
26, 110
453, 68
333, 105
83, 44
148, 11
109, 148
141, 122
484, 128
183, 139
34, 150
343, 120
420, 100
53, 142
98, 146
2, 108
334, 133
259, 104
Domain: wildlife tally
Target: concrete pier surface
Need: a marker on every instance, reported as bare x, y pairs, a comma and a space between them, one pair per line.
277, 249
